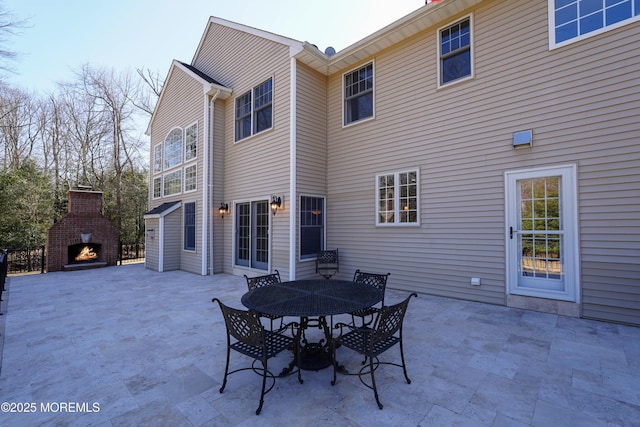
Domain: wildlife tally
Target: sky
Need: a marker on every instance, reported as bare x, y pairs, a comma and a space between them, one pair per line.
60, 36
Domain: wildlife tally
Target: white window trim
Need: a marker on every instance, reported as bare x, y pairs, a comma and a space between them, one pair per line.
153, 194
439, 53
158, 147
195, 231
184, 178
184, 148
324, 226
273, 105
552, 28
163, 181
164, 148
396, 204
373, 91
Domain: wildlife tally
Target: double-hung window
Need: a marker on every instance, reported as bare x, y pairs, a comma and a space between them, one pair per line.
189, 226
311, 226
571, 20
397, 198
358, 94
254, 110
455, 51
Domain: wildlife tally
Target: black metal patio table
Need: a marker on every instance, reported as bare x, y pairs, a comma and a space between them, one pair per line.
312, 300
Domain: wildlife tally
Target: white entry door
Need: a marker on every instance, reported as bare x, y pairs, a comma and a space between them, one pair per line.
541, 233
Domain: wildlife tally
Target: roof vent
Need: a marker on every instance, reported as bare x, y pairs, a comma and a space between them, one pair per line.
329, 51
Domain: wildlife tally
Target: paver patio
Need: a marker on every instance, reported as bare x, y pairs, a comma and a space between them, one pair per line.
131, 347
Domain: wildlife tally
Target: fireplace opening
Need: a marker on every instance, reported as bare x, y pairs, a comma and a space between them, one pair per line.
85, 253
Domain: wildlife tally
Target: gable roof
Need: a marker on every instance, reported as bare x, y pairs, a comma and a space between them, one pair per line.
210, 86
295, 46
163, 210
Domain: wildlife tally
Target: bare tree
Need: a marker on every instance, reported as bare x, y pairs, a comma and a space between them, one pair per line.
148, 95
9, 27
19, 128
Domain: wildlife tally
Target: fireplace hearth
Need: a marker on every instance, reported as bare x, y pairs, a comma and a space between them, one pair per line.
84, 238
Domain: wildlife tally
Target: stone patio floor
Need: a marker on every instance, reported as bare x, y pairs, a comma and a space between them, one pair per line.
125, 346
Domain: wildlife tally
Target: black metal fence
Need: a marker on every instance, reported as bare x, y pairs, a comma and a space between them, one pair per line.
33, 260
3, 271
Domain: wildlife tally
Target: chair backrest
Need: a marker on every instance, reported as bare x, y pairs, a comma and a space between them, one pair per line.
378, 281
328, 262
243, 325
260, 281
390, 320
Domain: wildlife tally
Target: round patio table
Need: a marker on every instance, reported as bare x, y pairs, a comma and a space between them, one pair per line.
311, 298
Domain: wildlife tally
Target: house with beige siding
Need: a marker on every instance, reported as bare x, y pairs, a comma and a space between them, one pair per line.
486, 150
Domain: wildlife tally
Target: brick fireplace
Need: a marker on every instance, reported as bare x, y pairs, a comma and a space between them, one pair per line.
83, 238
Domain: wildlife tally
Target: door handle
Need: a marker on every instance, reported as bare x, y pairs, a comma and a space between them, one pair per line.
511, 231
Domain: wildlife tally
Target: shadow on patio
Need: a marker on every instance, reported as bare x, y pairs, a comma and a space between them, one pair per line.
127, 346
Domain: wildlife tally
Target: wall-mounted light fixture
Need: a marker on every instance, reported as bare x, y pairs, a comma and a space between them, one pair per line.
224, 208
522, 139
276, 202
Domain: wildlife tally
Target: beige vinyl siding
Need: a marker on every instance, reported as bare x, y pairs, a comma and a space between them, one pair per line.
311, 146
581, 109
257, 166
172, 240
182, 106
152, 246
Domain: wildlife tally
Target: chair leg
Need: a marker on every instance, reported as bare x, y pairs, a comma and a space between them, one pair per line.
373, 382
404, 366
226, 371
264, 384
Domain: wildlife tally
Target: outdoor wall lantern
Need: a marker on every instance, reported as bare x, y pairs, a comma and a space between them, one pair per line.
276, 202
224, 208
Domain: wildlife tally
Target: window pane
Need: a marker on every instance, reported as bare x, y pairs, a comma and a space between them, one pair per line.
190, 226
358, 93
157, 158
243, 116
190, 181
157, 187
173, 182
191, 143
173, 149
263, 96
456, 66
243, 224
311, 226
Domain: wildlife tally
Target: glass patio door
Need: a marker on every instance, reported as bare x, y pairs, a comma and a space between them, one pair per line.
541, 233
252, 234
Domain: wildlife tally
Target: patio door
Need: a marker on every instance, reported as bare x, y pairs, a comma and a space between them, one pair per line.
252, 234
541, 233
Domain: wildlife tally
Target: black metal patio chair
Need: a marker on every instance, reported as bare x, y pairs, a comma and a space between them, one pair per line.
376, 280
265, 280
327, 263
372, 342
254, 341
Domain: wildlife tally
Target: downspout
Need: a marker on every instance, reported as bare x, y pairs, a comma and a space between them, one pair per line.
207, 192
161, 244
293, 196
